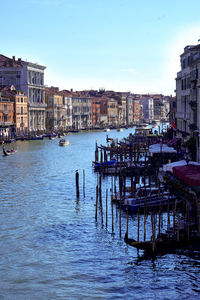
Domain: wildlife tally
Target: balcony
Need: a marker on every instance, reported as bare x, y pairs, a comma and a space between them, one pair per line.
6, 112
37, 105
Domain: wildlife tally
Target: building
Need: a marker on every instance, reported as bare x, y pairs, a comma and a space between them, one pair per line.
21, 114
67, 101
112, 112
96, 111
20, 110
81, 112
55, 111
136, 111
147, 104
188, 96
6, 117
27, 77
129, 110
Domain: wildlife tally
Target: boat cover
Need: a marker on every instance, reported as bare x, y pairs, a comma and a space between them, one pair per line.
190, 174
169, 167
157, 148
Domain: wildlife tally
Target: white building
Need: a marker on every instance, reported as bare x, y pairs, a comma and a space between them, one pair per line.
27, 77
129, 110
68, 111
148, 109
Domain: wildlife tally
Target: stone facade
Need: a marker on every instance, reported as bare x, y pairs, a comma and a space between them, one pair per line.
27, 77
188, 96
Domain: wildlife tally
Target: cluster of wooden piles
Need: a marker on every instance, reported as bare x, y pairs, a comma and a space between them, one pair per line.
128, 157
145, 196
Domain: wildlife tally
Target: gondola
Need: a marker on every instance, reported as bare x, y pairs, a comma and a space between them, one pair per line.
163, 244
8, 152
63, 142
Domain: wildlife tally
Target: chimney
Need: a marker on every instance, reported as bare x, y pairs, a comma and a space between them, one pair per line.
19, 60
13, 57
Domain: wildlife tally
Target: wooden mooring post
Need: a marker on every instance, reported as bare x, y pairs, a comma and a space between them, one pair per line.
106, 208
97, 190
84, 183
77, 184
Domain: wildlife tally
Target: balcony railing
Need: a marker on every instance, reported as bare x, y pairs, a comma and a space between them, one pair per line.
37, 104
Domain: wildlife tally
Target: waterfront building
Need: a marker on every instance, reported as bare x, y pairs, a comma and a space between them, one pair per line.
81, 112
6, 117
67, 101
124, 110
55, 111
120, 113
172, 110
96, 111
112, 112
188, 96
148, 108
136, 111
157, 107
20, 109
129, 110
21, 113
27, 77
165, 109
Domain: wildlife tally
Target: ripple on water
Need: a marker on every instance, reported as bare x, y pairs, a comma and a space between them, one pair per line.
51, 246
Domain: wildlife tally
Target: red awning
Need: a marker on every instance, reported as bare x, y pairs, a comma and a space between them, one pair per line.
173, 141
189, 174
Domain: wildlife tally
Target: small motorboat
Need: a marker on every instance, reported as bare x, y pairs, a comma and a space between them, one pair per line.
8, 152
107, 129
52, 137
63, 142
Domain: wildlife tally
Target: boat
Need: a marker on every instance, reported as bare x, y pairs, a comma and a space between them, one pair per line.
63, 142
120, 129
164, 243
8, 152
74, 131
107, 129
37, 137
52, 137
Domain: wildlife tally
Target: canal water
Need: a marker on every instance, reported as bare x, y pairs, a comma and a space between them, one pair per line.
51, 245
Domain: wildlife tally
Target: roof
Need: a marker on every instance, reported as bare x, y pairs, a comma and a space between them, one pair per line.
9, 62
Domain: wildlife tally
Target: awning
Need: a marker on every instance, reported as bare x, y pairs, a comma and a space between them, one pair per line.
163, 148
190, 174
174, 141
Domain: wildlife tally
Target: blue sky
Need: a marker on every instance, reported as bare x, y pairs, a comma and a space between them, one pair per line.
123, 45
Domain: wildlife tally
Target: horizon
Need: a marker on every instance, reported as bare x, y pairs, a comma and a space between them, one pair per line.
116, 45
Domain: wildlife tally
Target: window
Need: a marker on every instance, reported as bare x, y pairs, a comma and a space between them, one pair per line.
21, 110
22, 100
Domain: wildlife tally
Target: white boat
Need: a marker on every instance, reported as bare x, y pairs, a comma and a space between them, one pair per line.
120, 129
107, 129
63, 142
